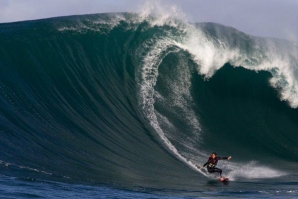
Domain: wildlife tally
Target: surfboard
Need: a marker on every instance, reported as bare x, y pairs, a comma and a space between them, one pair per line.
223, 179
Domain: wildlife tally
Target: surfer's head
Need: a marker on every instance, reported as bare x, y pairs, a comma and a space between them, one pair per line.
213, 155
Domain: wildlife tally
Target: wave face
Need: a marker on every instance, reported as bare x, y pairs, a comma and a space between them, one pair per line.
132, 99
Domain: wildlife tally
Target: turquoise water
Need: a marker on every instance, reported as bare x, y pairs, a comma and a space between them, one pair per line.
120, 106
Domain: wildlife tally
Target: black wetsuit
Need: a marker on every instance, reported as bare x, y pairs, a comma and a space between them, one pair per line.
211, 165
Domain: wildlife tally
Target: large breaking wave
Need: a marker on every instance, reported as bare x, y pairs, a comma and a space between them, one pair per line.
134, 98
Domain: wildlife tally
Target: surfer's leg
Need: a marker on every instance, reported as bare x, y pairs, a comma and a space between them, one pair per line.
213, 170
219, 171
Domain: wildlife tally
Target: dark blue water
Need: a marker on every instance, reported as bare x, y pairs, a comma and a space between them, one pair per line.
120, 106
12, 187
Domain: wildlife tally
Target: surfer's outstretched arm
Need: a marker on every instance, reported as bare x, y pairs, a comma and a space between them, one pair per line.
224, 158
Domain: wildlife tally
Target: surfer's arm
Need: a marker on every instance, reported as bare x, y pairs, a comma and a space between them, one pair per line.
205, 164
224, 158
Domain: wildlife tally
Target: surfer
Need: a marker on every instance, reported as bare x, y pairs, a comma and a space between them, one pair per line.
212, 162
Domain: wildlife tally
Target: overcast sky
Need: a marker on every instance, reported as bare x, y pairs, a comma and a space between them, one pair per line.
268, 18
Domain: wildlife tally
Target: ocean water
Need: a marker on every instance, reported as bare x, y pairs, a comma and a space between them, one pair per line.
126, 105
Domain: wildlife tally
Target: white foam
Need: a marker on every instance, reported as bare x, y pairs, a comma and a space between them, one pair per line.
159, 14
7, 164
280, 60
251, 170
149, 73
102, 24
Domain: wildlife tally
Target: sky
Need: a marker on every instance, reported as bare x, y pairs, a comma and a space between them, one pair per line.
265, 18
